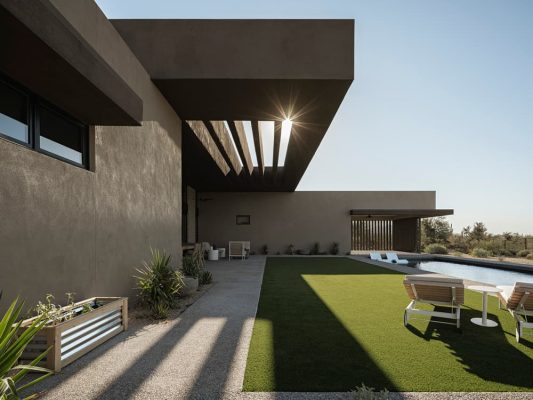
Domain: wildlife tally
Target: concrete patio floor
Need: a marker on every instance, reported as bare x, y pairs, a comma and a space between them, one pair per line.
199, 355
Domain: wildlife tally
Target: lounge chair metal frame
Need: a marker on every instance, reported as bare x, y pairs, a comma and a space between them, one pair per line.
521, 314
454, 314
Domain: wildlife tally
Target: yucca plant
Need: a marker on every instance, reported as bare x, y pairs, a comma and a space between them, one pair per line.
159, 284
12, 345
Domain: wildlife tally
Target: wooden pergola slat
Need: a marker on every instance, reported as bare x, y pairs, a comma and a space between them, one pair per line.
277, 141
202, 133
258, 143
221, 137
239, 137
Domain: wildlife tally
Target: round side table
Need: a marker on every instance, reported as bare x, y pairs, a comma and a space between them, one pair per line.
484, 321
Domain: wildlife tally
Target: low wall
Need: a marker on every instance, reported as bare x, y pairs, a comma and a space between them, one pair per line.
299, 218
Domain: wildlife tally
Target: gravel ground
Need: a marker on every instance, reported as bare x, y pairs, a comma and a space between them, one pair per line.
200, 354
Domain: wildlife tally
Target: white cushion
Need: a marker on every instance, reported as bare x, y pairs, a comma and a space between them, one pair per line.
507, 291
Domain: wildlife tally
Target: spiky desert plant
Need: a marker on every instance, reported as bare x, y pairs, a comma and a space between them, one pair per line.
12, 345
159, 284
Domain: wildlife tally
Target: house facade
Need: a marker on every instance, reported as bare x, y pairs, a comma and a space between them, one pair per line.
117, 136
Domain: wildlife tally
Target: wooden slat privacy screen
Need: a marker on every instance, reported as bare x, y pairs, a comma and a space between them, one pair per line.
372, 234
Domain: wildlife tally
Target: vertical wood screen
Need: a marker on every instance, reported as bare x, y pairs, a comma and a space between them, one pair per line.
372, 234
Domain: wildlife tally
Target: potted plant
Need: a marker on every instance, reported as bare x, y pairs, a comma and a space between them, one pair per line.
75, 329
191, 271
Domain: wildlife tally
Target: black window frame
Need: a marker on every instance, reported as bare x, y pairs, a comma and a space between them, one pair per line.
34, 103
29, 113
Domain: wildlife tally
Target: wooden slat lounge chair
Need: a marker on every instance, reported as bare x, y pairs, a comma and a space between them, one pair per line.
236, 250
393, 259
437, 290
518, 299
375, 256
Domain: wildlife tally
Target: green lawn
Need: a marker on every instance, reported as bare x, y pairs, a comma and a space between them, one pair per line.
330, 324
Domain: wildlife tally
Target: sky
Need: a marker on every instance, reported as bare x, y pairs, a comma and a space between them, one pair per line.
442, 99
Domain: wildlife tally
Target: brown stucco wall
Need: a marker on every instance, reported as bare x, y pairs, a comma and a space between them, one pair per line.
67, 229
300, 218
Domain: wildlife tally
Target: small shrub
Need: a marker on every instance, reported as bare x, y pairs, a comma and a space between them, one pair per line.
436, 248
190, 267
457, 254
159, 284
334, 249
368, 393
481, 253
205, 278
504, 253
290, 249
264, 249
523, 253
530, 256
315, 249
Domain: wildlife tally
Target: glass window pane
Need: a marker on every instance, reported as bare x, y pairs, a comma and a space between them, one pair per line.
13, 113
60, 136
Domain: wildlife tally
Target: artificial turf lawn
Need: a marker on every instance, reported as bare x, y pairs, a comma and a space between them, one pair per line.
330, 324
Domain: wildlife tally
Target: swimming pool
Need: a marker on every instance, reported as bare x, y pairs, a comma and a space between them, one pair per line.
478, 273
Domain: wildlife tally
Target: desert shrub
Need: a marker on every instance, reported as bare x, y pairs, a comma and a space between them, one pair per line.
205, 278
530, 256
523, 253
503, 253
315, 249
159, 284
457, 254
481, 253
334, 249
190, 267
368, 393
436, 248
290, 249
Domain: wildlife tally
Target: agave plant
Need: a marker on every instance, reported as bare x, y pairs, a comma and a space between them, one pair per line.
159, 284
12, 346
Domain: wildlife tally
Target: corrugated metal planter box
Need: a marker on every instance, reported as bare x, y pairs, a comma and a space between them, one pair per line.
73, 338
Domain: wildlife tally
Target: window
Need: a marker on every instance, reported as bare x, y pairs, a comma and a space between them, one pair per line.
243, 220
26, 119
14, 113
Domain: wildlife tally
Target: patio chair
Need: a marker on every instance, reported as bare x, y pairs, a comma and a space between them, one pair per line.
518, 299
393, 258
375, 256
437, 290
236, 250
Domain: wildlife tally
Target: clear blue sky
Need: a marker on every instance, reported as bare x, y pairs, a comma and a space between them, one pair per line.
442, 99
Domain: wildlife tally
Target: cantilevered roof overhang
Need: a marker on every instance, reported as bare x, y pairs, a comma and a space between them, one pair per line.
41, 50
399, 213
249, 70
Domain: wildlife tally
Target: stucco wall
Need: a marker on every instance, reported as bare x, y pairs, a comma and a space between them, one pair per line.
300, 218
66, 229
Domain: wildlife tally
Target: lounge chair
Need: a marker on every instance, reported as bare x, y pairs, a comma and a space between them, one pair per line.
236, 250
393, 258
437, 290
375, 256
518, 299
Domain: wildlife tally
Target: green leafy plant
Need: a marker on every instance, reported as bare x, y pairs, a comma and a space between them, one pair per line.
481, 253
368, 393
205, 278
190, 267
436, 248
12, 345
159, 284
315, 249
334, 249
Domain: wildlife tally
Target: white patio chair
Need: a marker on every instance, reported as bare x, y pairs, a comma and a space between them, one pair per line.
518, 299
393, 258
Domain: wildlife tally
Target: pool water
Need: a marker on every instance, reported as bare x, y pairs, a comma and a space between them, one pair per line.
488, 275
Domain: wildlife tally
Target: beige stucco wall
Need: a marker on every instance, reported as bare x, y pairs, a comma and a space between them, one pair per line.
300, 218
64, 228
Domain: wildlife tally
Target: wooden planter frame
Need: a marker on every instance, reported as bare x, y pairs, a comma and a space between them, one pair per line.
73, 338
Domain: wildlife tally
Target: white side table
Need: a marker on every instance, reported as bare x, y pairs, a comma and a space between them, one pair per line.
222, 253
484, 321
212, 255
